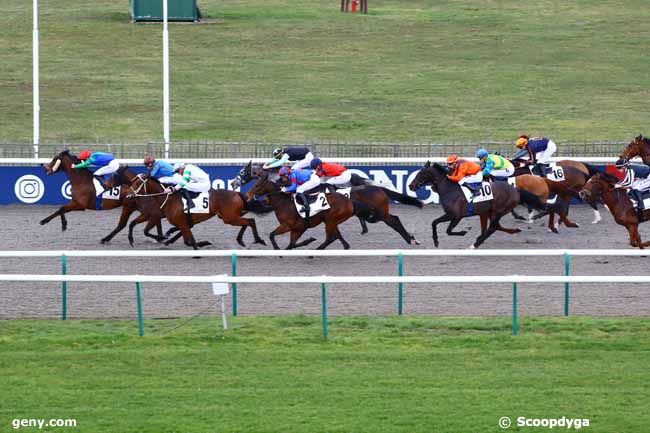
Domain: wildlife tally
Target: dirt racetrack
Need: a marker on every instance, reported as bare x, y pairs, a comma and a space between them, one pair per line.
20, 231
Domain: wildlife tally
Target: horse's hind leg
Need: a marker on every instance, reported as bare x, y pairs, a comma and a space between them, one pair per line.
124, 218
345, 244
244, 223
278, 231
494, 223
395, 223
139, 219
364, 226
331, 236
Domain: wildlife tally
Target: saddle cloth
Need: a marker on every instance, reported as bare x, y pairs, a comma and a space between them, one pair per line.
484, 193
201, 203
317, 203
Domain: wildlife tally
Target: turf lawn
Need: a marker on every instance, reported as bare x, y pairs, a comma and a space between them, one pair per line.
274, 70
380, 374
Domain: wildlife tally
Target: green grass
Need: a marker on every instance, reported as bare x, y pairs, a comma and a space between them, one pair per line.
286, 70
410, 374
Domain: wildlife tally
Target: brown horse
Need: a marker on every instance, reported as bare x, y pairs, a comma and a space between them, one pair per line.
83, 190
155, 203
576, 175
341, 208
640, 146
377, 198
456, 206
619, 204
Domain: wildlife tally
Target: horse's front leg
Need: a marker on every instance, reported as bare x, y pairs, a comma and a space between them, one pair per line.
453, 223
72, 206
434, 225
124, 218
278, 231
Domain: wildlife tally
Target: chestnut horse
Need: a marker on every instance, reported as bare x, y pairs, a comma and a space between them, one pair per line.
377, 198
619, 204
155, 204
455, 205
640, 146
83, 190
341, 208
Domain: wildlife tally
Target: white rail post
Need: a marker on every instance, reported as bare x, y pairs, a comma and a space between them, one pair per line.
35, 82
165, 79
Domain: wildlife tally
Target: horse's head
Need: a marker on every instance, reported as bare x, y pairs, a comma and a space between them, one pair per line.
263, 186
245, 175
640, 146
63, 160
597, 185
121, 177
428, 175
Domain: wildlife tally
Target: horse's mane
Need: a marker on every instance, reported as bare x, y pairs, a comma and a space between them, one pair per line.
66, 152
645, 140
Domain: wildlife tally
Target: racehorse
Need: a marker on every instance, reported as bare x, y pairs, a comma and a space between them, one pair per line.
377, 198
83, 190
456, 207
155, 204
619, 204
341, 208
576, 174
640, 146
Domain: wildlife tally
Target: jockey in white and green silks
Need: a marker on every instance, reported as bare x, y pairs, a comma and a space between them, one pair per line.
494, 165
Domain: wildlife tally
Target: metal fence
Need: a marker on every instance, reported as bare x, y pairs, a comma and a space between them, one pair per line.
332, 149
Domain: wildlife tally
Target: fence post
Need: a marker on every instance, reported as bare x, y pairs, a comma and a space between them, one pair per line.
233, 261
64, 288
567, 263
323, 291
514, 308
139, 298
400, 286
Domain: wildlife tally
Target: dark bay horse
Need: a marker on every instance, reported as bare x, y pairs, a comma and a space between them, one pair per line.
341, 208
377, 198
455, 205
83, 189
640, 146
619, 204
155, 204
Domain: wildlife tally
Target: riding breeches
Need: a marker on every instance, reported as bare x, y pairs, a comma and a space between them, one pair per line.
545, 156
340, 180
198, 186
313, 182
641, 184
504, 172
303, 163
175, 179
472, 178
107, 169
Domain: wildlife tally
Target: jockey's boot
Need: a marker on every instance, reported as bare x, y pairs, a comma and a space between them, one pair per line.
305, 203
540, 169
474, 188
331, 188
190, 202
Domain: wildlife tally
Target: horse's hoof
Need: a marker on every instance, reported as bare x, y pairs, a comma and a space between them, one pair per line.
553, 230
241, 243
462, 233
415, 241
42, 223
260, 241
516, 231
104, 241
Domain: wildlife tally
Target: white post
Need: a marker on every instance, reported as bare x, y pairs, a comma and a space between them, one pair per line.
35, 104
165, 79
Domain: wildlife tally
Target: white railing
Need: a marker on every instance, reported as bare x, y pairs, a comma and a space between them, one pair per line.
351, 160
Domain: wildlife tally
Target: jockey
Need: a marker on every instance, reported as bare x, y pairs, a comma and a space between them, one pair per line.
633, 176
494, 165
540, 150
300, 181
105, 161
161, 170
331, 174
193, 179
465, 172
300, 155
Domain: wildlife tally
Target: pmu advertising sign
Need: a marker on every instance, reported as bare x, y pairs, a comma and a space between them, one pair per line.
30, 185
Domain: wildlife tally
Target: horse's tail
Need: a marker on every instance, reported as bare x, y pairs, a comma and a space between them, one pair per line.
357, 180
362, 210
402, 198
255, 206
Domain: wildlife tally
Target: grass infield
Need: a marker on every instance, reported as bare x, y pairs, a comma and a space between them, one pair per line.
276, 70
379, 374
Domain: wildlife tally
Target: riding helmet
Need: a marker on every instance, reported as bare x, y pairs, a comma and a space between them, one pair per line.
521, 142
84, 154
149, 160
452, 159
284, 171
179, 166
314, 163
481, 153
621, 162
277, 152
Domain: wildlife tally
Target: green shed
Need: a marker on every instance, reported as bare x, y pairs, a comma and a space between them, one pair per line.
152, 10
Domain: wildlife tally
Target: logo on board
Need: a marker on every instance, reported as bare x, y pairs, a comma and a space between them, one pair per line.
66, 190
29, 188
